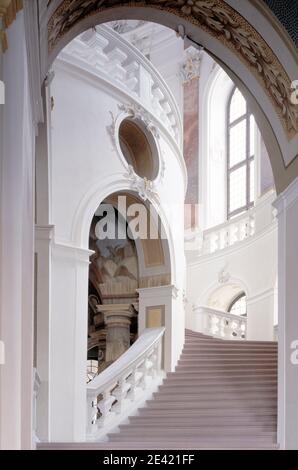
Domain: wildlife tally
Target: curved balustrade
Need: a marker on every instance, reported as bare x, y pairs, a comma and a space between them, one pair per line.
228, 234
110, 395
108, 55
219, 324
246, 225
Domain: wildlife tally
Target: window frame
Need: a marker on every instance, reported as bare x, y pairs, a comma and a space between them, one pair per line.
244, 163
235, 300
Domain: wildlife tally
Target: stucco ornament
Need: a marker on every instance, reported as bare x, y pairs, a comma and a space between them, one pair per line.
190, 67
218, 19
223, 276
144, 187
136, 111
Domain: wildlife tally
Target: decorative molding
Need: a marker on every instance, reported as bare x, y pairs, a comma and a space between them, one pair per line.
71, 253
154, 281
157, 292
8, 13
223, 276
44, 233
218, 19
260, 296
136, 111
190, 67
125, 26
145, 188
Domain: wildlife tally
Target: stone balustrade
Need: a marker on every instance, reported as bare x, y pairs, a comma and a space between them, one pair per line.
123, 386
250, 223
109, 56
219, 324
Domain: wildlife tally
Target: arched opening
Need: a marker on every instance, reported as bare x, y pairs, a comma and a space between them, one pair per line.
254, 95
139, 148
124, 253
66, 21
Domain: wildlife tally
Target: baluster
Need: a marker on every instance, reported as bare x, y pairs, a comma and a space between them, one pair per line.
92, 414
217, 325
251, 225
206, 244
226, 327
120, 393
133, 380
243, 329
215, 242
154, 360
104, 407
133, 78
226, 238
143, 371
235, 329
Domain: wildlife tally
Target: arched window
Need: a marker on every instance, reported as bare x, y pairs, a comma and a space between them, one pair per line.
240, 155
238, 306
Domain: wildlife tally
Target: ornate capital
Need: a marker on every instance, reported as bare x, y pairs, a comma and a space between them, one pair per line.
190, 67
8, 12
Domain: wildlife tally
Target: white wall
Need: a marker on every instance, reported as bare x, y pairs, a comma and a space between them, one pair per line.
252, 266
16, 250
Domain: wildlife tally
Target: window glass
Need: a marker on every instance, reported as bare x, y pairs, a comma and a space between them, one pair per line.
237, 188
238, 106
238, 307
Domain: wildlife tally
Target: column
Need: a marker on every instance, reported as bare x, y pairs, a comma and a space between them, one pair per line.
117, 320
287, 207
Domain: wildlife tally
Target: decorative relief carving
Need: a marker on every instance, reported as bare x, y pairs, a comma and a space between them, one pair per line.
224, 276
136, 111
8, 12
190, 67
144, 187
218, 19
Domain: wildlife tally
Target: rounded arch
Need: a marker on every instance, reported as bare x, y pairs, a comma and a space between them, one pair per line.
96, 195
230, 291
231, 39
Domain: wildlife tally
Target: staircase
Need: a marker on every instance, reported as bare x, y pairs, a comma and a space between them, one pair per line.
222, 395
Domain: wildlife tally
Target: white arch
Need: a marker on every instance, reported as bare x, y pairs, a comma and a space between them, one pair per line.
85, 212
233, 281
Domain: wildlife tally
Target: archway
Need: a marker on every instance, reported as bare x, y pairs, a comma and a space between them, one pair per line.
231, 38
124, 266
276, 127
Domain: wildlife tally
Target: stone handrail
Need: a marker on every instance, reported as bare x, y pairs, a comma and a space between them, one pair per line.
244, 226
229, 233
219, 324
111, 394
107, 54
